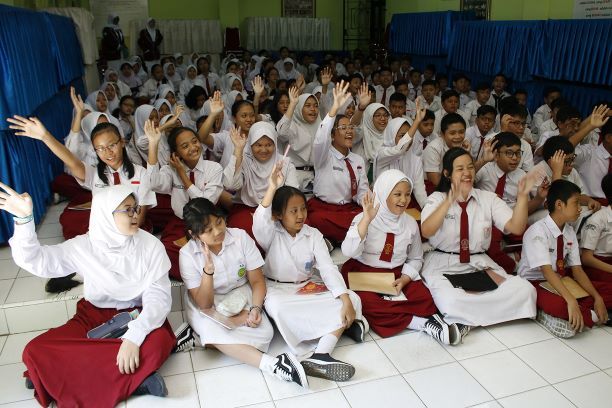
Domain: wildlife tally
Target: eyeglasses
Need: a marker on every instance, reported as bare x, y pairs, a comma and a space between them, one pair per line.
569, 160
130, 211
510, 154
346, 127
518, 123
102, 149
381, 115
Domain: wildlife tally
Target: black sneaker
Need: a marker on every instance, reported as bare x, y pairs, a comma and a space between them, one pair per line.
358, 330
153, 385
59, 285
325, 366
437, 328
184, 338
288, 368
464, 329
29, 384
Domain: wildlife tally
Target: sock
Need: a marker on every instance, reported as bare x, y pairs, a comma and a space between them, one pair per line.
417, 323
326, 344
267, 363
594, 316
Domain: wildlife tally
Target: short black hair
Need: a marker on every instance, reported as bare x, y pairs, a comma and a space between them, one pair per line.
568, 112
427, 82
514, 109
384, 68
414, 71
399, 83
507, 139
128, 167
430, 67
355, 76
397, 97
485, 110
550, 89
192, 96
238, 104
429, 115
558, 103
556, 143
560, 190
447, 164
483, 86
449, 93
174, 134
500, 74
450, 119
196, 216
521, 91
459, 76
606, 186
281, 198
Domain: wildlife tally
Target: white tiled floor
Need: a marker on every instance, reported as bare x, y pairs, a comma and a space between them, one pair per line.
515, 364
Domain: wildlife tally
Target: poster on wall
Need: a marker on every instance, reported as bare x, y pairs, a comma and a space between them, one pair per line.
127, 10
592, 8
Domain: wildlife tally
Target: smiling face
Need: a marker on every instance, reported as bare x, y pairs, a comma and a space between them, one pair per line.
237, 85
399, 198
126, 224
463, 174
188, 148
380, 119
245, 117
454, 135
109, 148
310, 110
263, 149
343, 135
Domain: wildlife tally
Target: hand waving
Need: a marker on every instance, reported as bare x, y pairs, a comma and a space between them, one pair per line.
30, 127
20, 205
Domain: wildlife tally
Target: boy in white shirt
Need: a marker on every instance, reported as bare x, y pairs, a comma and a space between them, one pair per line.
481, 130
567, 121
521, 98
499, 90
401, 107
550, 255
424, 134
461, 84
414, 84
385, 89
450, 104
483, 94
542, 114
428, 98
549, 124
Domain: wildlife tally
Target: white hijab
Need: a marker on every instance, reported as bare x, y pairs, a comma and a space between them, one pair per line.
110, 22
372, 138
91, 100
389, 135
152, 31
174, 79
305, 130
163, 91
385, 220
89, 122
140, 117
122, 273
228, 81
133, 81
159, 102
256, 173
113, 104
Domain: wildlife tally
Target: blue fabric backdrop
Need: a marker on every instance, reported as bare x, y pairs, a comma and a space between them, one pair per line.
40, 57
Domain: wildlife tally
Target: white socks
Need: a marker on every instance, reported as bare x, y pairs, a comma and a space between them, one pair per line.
267, 363
326, 344
417, 323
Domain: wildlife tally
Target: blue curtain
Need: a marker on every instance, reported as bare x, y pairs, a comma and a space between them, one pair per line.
40, 57
424, 33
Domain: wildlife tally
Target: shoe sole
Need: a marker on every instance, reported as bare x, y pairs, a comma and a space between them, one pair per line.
300, 370
158, 387
365, 328
187, 341
454, 334
555, 325
329, 371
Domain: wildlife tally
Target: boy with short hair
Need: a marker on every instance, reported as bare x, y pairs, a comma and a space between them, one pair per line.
567, 120
542, 114
513, 118
424, 134
414, 85
450, 104
399, 109
549, 124
551, 252
385, 89
499, 90
461, 84
428, 98
521, 98
481, 130
442, 81
483, 93
401, 87
596, 239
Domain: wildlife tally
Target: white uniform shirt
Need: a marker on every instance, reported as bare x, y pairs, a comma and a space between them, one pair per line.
407, 249
149, 88
379, 93
484, 209
472, 135
413, 91
471, 108
287, 133
393, 157
417, 142
491, 100
332, 182
238, 255
488, 176
54, 261
574, 177
464, 99
542, 248
592, 165
596, 234
223, 147
545, 136
208, 178
434, 106
433, 154
541, 115
293, 259
442, 113
213, 81
526, 162
139, 183
547, 126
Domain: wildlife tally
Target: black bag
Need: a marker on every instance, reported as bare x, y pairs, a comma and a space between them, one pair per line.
477, 281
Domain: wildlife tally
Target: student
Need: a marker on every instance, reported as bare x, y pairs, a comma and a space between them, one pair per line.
171, 74
567, 122
385, 89
129, 77
596, 239
186, 176
457, 220
190, 81
442, 81
249, 169
414, 84
395, 153
209, 79
383, 238
141, 115
369, 135
221, 264
125, 116
553, 253
110, 90
513, 118
481, 130
521, 97
311, 324
543, 113
424, 134
98, 101
549, 124
461, 86
499, 90
428, 98
483, 93
340, 177
501, 175
403, 106
450, 104
123, 269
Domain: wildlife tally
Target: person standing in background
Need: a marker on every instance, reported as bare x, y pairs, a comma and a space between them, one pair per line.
113, 42
149, 41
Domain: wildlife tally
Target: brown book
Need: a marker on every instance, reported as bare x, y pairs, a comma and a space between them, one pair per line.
377, 282
181, 242
570, 284
414, 213
81, 207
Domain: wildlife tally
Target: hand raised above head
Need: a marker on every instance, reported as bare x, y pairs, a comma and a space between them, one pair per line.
19, 205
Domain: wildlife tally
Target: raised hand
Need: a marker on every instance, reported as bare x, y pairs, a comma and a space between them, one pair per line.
326, 76
294, 94
210, 265
176, 162
543, 188
238, 139
466, 145
20, 205
420, 111
151, 132
300, 83
488, 154
599, 117
258, 85
216, 103
454, 193
557, 162
341, 94
30, 127
179, 110
363, 96
277, 178
525, 185
77, 102
367, 203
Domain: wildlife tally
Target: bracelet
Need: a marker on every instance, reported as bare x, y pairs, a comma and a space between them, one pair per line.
256, 307
23, 220
206, 273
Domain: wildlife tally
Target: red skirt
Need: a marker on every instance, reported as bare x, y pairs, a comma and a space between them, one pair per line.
67, 367
333, 220
387, 317
65, 185
76, 222
499, 255
174, 230
241, 216
597, 274
161, 214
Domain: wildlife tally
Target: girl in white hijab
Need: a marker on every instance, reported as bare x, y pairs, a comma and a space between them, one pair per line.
191, 80
122, 267
384, 238
172, 75
395, 153
289, 72
112, 76
129, 77
231, 82
373, 124
298, 128
110, 91
98, 101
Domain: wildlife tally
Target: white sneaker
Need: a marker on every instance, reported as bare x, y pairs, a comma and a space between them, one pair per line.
557, 326
437, 328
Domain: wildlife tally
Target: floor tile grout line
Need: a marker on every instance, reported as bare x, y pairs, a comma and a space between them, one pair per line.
413, 390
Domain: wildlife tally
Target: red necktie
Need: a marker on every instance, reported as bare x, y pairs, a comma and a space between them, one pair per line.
116, 180
207, 86
207, 154
464, 234
192, 176
384, 97
387, 252
424, 143
501, 185
479, 147
560, 260
353, 178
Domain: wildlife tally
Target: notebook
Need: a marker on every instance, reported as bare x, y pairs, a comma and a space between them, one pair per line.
180, 242
377, 282
570, 284
414, 213
214, 315
477, 281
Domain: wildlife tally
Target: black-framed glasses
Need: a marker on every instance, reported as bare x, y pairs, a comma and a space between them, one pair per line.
130, 211
569, 160
510, 154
